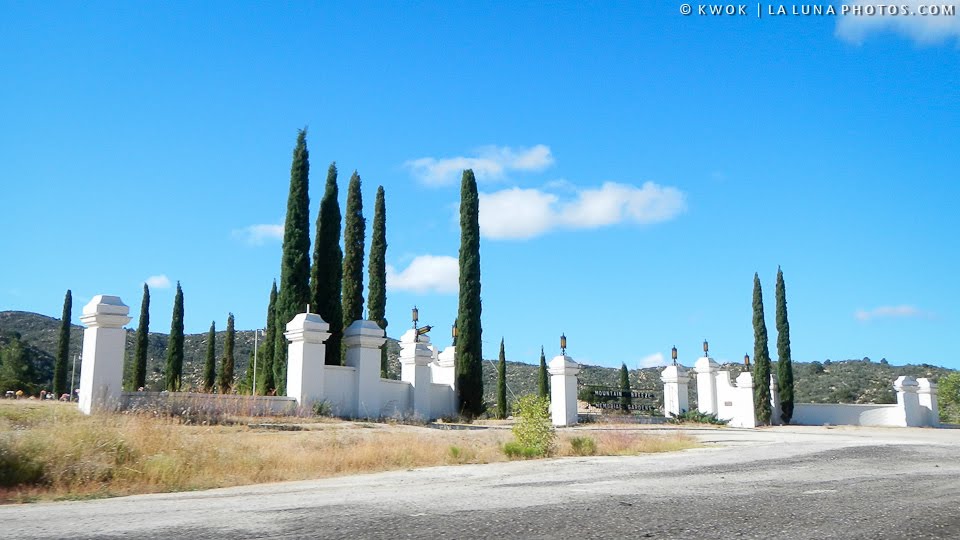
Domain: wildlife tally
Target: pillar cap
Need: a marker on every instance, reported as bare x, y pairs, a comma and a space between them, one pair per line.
105, 311
745, 380
308, 327
410, 337
364, 333
674, 374
905, 383
563, 365
705, 364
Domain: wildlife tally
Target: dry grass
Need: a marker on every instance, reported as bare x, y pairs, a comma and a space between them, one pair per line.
50, 451
629, 442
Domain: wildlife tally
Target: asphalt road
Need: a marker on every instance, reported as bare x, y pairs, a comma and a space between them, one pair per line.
791, 482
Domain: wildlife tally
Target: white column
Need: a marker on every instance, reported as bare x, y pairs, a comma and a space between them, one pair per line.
443, 370
306, 355
563, 390
363, 340
415, 358
927, 394
104, 339
675, 390
908, 400
775, 410
745, 414
706, 370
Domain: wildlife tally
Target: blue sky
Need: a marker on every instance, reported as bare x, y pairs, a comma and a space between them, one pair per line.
637, 166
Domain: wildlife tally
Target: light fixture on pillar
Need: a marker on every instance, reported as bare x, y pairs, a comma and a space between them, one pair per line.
746, 360
415, 315
417, 332
706, 348
673, 354
453, 333
563, 344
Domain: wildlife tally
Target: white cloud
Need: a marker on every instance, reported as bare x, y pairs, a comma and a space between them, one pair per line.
426, 273
890, 312
158, 282
525, 213
924, 29
256, 235
653, 360
488, 163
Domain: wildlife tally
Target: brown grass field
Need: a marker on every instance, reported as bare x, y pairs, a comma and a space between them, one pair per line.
49, 451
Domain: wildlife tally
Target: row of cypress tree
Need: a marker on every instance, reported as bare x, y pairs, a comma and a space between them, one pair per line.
761, 355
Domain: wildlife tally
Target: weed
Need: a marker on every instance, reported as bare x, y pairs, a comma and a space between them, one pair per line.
583, 446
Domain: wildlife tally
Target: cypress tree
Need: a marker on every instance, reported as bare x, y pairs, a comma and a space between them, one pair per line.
761, 357
265, 380
502, 384
210, 366
377, 295
326, 276
174, 373
469, 353
625, 396
354, 231
784, 361
226, 367
294, 292
543, 379
142, 341
60, 385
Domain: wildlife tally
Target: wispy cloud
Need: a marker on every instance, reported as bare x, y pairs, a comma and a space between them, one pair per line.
653, 360
487, 162
426, 273
257, 235
891, 312
517, 213
158, 282
923, 29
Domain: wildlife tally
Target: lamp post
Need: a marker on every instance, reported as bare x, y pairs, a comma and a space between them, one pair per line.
563, 344
673, 354
73, 375
256, 334
415, 315
706, 348
453, 333
746, 360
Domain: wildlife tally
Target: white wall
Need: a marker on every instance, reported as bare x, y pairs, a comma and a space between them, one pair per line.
846, 414
338, 389
442, 400
394, 397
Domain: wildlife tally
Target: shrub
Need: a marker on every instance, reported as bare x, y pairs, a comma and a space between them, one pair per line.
532, 428
515, 450
697, 417
583, 446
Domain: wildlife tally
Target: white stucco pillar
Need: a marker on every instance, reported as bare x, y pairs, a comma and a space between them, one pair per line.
443, 370
306, 354
927, 395
563, 390
363, 340
775, 409
909, 401
104, 340
706, 370
415, 358
745, 414
675, 390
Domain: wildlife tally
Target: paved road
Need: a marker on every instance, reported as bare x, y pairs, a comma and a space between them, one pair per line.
789, 482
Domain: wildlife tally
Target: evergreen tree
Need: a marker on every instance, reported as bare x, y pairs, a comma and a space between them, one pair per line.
294, 292
142, 341
469, 354
174, 373
326, 276
502, 384
354, 231
16, 367
543, 389
210, 366
265, 380
377, 295
226, 366
784, 362
761, 358
626, 398
60, 385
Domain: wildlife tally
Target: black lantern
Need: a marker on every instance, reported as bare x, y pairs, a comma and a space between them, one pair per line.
453, 333
415, 315
746, 360
706, 348
673, 354
563, 344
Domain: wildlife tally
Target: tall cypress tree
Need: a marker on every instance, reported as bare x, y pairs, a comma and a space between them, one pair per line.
502, 384
626, 398
784, 361
761, 358
60, 385
326, 276
354, 233
142, 342
469, 353
265, 379
175, 344
226, 366
377, 295
294, 292
210, 366
543, 380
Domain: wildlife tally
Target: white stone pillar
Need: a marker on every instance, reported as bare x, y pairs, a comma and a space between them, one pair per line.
104, 340
745, 414
563, 390
675, 390
908, 400
306, 355
776, 411
927, 394
443, 370
706, 370
363, 340
415, 358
